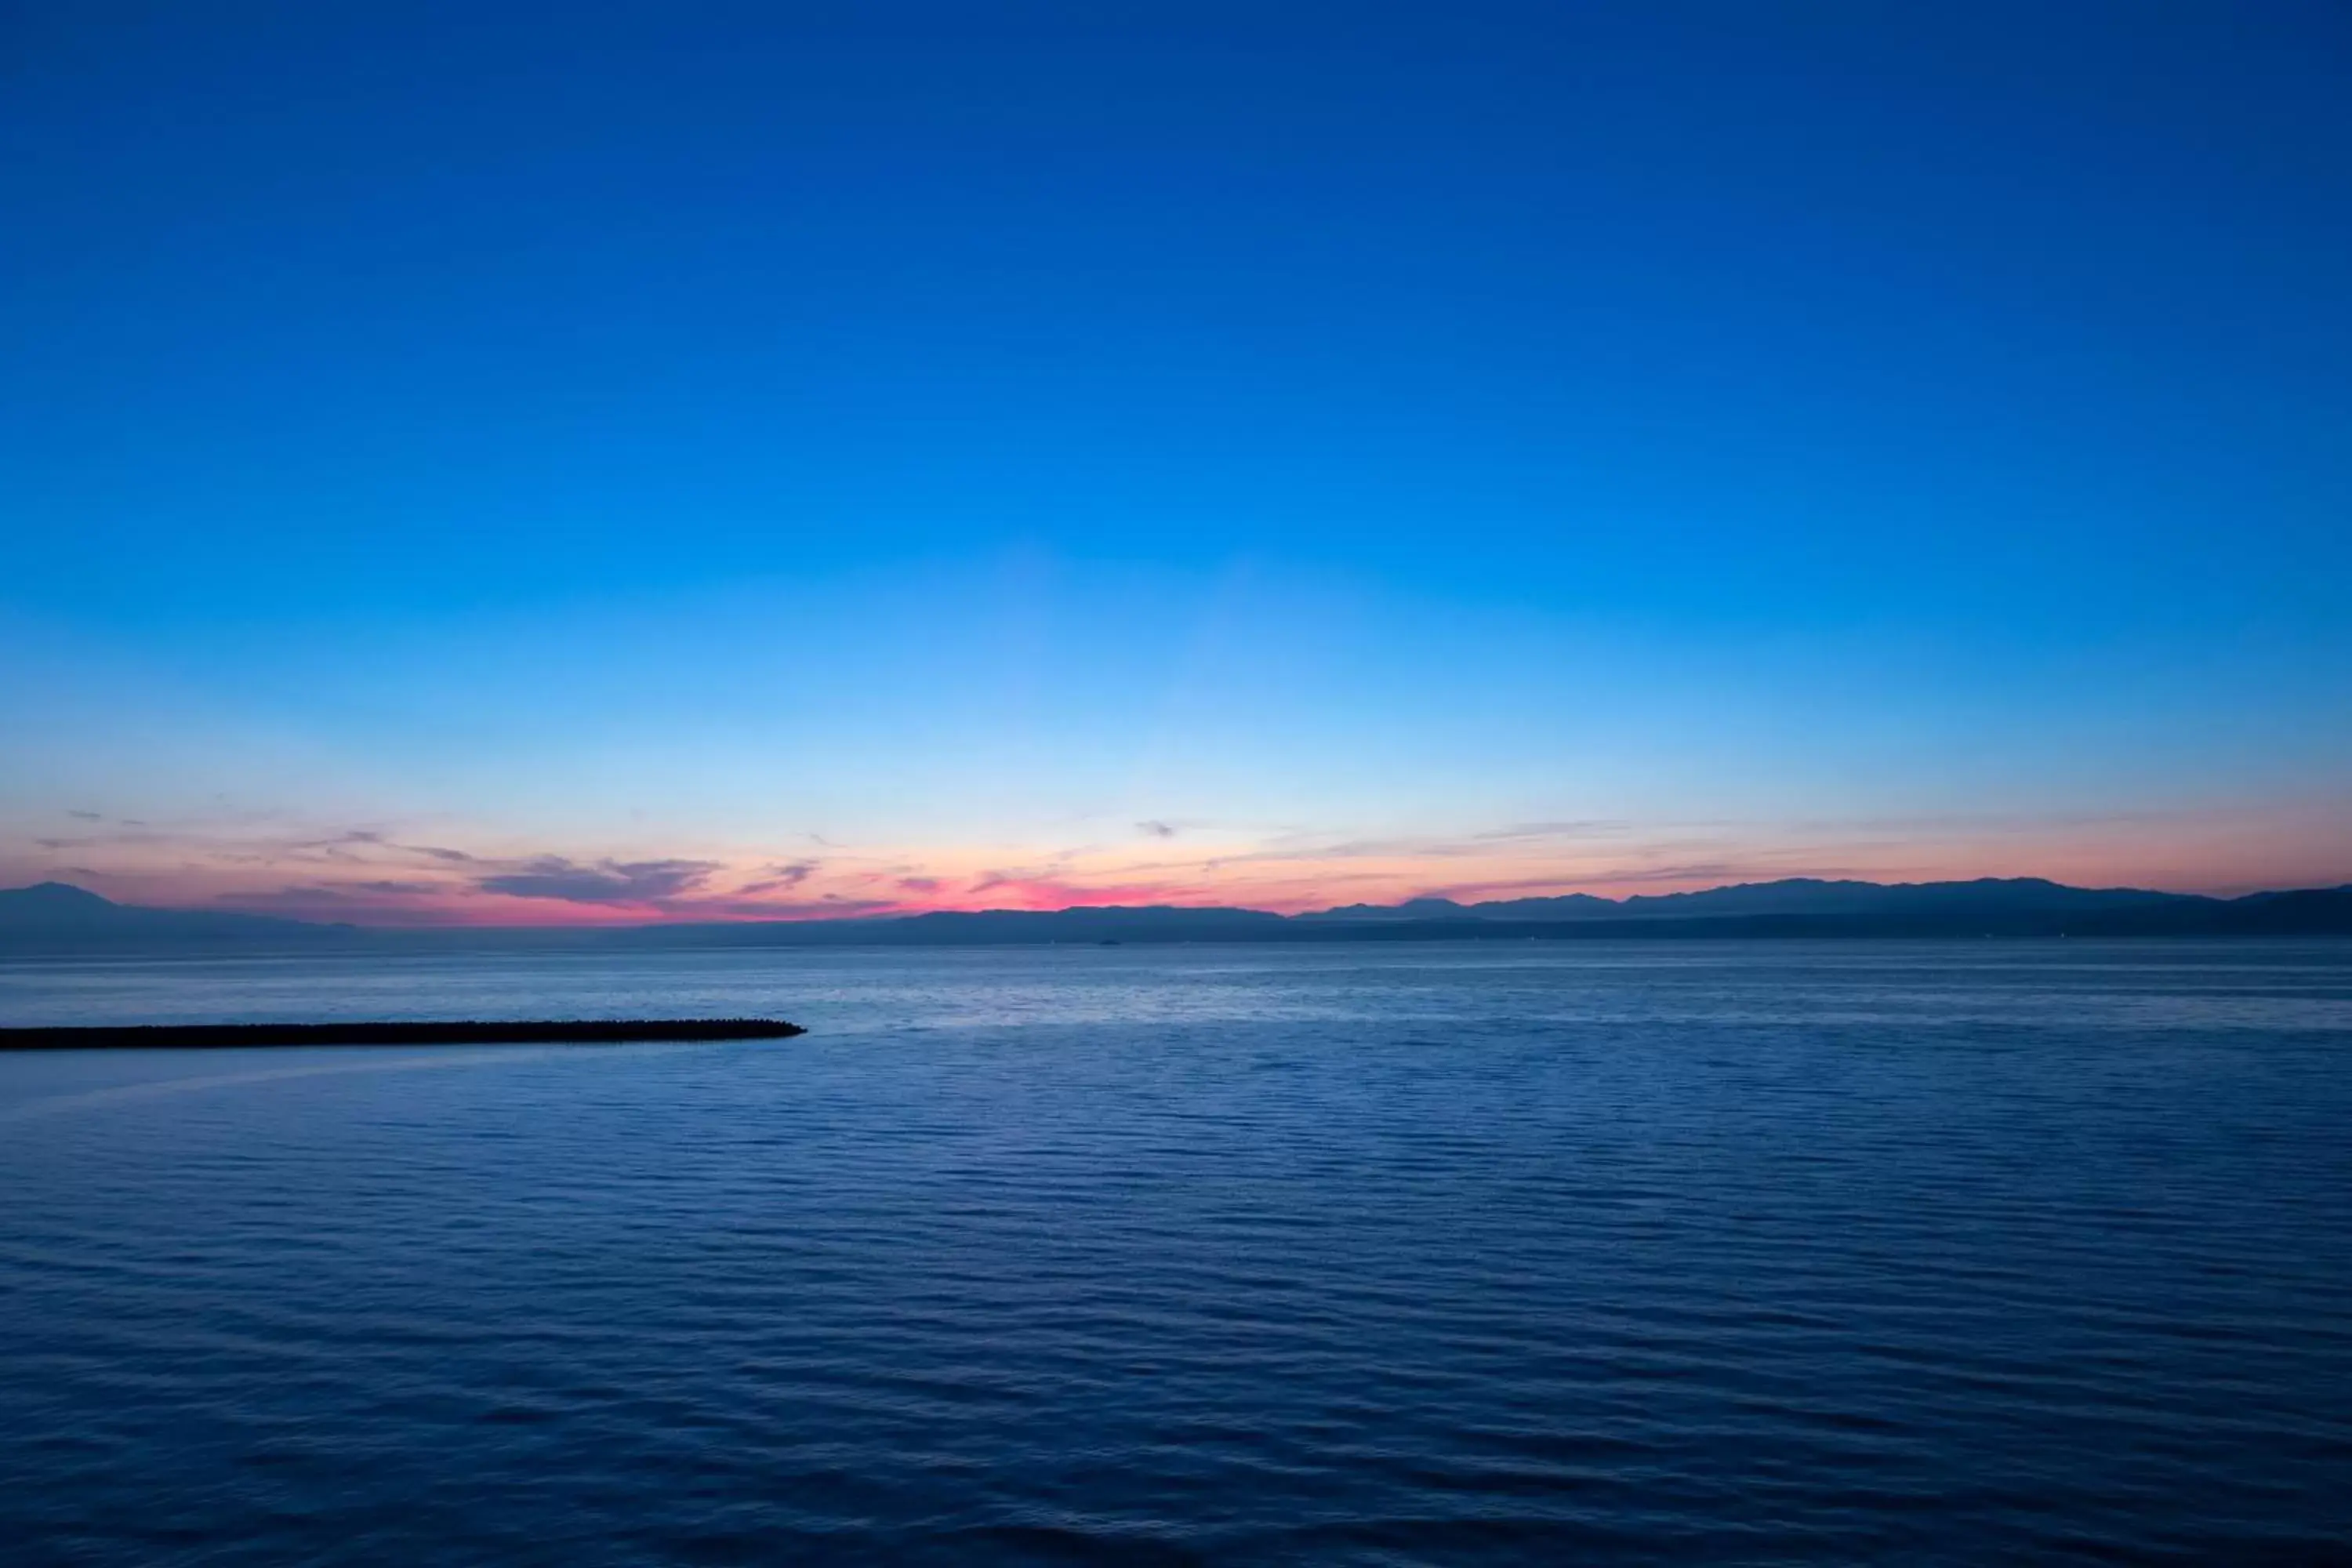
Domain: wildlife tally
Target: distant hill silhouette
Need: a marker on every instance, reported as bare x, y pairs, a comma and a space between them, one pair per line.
2017, 907
54, 916
50, 915
985, 928
1792, 896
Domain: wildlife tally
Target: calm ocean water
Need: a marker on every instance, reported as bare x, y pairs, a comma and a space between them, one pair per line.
1465, 1253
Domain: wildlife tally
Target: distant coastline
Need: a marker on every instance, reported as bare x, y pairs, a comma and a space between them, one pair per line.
56, 917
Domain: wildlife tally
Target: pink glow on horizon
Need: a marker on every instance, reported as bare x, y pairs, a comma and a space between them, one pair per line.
378, 877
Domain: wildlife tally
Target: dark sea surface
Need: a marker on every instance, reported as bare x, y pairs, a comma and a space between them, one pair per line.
1699, 1251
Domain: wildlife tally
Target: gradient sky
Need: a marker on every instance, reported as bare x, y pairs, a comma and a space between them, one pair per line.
505, 463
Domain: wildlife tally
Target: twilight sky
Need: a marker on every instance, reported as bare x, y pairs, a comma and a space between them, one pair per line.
521, 463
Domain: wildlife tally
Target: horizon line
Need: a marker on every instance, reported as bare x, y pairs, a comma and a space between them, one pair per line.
672, 917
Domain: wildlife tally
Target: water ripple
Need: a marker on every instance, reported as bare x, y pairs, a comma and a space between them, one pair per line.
1699, 1253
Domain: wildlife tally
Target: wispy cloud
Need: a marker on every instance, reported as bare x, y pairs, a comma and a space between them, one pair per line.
790, 875
1535, 831
603, 882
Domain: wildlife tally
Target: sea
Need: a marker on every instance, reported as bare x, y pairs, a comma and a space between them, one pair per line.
1476, 1252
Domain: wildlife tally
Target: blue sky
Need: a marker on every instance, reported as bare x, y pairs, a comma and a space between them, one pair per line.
973, 453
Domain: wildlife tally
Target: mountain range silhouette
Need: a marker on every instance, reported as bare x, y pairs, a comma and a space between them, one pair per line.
51, 916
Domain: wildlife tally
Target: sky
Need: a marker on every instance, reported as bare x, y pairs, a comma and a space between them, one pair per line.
528, 464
